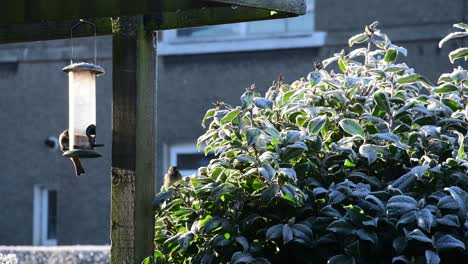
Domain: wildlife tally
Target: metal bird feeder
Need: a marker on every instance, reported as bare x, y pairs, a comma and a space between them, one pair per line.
82, 106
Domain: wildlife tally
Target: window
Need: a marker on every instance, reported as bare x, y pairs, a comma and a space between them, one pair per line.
45, 216
293, 32
187, 158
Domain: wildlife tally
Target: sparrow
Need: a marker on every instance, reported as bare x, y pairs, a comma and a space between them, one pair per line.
64, 140
172, 176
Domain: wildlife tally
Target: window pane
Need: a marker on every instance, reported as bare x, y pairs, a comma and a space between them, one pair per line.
52, 216
210, 31
193, 161
268, 26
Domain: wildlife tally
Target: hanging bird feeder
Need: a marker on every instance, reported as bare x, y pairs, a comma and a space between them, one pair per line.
82, 106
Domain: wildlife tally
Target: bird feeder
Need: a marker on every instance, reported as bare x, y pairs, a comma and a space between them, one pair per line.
82, 109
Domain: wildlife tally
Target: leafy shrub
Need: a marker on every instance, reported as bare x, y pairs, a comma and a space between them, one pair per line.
8, 259
364, 165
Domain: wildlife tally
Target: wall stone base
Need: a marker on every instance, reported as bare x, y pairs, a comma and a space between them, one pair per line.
59, 254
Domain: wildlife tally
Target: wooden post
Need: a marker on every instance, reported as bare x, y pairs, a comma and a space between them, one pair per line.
133, 140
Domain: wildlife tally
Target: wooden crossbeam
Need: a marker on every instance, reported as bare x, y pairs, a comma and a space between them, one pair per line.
158, 21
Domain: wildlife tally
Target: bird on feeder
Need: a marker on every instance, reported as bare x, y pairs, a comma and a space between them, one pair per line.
64, 141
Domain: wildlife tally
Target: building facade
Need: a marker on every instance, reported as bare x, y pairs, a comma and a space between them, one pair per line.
44, 203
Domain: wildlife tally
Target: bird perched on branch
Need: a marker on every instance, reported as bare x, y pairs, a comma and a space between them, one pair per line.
172, 176
64, 141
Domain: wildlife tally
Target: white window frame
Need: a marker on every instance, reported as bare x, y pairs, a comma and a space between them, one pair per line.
173, 45
40, 217
184, 148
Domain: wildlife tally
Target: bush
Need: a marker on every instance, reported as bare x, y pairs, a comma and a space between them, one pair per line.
8, 259
364, 165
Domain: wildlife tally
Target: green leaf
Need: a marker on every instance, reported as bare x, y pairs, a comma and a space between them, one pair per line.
243, 242
459, 196
211, 224
401, 204
336, 197
247, 99
330, 211
302, 234
408, 218
452, 35
316, 124
369, 152
287, 96
390, 55
341, 226
401, 258
425, 219
367, 235
263, 103
356, 39
300, 120
448, 242
293, 151
447, 202
352, 127
287, 234
412, 78
380, 205
341, 259
252, 134
314, 78
270, 192
267, 172
418, 235
289, 192
230, 116
274, 232
449, 220
147, 260
399, 244
461, 26
161, 197
451, 103
209, 114
381, 100
240, 257
341, 64
461, 146
431, 257
461, 53
445, 88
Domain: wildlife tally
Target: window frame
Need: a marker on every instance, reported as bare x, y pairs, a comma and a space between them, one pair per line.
41, 217
182, 148
171, 44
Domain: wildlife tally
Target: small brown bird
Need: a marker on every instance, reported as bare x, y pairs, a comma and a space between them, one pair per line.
172, 176
64, 140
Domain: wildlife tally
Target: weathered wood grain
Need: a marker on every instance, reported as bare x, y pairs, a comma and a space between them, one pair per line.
133, 140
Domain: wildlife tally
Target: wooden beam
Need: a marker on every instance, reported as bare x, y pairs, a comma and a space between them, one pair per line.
35, 11
52, 30
133, 140
156, 21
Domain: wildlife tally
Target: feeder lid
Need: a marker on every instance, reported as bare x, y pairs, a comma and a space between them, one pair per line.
84, 66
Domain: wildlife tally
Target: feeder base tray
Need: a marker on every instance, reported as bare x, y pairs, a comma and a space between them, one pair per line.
82, 153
